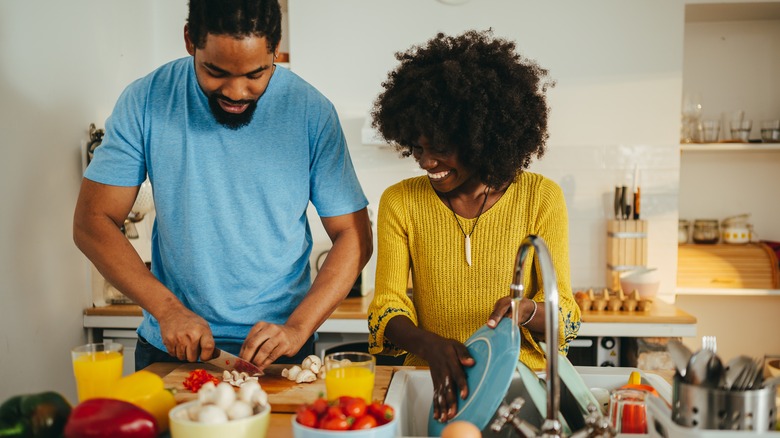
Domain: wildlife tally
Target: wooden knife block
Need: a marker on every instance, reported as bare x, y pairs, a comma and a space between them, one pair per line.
626, 249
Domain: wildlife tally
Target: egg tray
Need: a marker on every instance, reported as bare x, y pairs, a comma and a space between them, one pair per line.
588, 301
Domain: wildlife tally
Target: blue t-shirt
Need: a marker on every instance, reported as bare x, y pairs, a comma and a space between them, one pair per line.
231, 238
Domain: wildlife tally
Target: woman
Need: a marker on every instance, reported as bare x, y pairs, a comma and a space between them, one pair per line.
472, 113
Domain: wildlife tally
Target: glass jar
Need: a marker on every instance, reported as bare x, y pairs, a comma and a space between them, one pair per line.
683, 231
705, 231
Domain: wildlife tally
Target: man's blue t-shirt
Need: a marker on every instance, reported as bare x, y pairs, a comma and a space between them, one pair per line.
231, 238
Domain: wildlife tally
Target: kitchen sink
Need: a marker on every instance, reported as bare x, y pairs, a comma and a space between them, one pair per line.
411, 392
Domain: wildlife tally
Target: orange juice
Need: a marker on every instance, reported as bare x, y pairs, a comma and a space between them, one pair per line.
96, 372
352, 381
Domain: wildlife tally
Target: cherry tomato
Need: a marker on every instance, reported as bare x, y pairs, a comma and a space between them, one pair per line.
381, 412
307, 417
365, 422
335, 412
320, 406
355, 407
335, 423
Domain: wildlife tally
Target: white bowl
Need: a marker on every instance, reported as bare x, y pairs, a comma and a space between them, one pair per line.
255, 426
646, 281
383, 431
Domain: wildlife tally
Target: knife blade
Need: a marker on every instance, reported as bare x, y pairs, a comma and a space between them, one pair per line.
226, 361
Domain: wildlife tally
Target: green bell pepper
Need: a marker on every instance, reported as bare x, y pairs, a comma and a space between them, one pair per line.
41, 415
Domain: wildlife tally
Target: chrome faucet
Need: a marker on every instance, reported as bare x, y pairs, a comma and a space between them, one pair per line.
551, 427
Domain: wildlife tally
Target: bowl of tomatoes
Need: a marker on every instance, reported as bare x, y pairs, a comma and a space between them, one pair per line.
349, 417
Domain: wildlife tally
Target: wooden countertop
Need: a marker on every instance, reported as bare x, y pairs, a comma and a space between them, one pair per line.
356, 308
660, 313
350, 308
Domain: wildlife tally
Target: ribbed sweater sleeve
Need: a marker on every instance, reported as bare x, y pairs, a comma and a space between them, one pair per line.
416, 231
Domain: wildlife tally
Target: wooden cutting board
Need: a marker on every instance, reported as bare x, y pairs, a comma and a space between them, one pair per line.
284, 395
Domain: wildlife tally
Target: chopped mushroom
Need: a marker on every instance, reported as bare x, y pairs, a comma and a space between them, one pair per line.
305, 376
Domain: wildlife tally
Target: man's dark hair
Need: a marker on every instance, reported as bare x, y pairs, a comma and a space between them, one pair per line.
472, 93
236, 18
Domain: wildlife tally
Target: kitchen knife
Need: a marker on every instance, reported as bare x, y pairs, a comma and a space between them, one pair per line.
226, 361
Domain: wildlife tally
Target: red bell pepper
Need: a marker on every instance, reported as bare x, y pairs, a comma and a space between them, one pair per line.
110, 418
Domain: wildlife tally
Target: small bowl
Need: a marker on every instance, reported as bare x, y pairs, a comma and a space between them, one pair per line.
255, 426
774, 367
383, 431
645, 281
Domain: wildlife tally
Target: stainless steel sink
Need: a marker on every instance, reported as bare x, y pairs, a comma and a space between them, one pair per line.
411, 392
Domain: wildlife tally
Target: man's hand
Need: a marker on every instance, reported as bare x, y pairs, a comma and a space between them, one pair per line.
186, 335
267, 342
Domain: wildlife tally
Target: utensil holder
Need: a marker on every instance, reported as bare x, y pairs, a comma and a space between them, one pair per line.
626, 249
699, 407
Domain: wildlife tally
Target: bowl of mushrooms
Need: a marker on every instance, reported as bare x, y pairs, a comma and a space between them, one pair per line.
221, 411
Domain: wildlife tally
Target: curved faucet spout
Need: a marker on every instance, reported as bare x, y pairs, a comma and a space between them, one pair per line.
552, 425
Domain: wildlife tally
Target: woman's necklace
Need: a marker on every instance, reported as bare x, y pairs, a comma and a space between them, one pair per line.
467, 237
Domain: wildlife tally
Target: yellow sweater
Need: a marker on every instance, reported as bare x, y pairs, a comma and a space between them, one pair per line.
417, 231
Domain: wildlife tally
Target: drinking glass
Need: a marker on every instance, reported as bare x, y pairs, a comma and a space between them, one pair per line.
96, 368
770, 131
628, 411
741, 131
710, 130
351, 374
691, 114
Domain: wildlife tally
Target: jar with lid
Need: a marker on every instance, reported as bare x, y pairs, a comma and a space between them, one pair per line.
706, 231
683, 231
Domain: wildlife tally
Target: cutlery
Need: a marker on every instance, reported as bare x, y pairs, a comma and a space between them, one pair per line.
226, 361
681, 355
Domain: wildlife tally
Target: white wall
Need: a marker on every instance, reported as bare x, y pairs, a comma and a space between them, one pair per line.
616, 103
62, 66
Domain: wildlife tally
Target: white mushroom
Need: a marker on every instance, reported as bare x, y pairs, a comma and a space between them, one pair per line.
234, 375
247, 390
305, 376
227, 376
206, 392
292, 372
239, 409
224, 396
259, 399
313, 363
212, 414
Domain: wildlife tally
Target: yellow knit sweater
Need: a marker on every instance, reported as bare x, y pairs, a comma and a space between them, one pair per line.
417, 231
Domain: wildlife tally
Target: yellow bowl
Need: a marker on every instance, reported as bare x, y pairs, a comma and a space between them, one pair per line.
255, 426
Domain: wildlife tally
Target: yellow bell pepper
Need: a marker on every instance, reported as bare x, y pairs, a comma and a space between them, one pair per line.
147, 391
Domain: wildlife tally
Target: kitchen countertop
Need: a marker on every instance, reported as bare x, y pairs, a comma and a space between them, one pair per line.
662, 320
280, 423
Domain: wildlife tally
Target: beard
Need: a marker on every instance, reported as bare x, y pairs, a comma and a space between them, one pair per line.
231, 120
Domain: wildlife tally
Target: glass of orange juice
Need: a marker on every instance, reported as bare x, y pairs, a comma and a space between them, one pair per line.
96, 367
349, 373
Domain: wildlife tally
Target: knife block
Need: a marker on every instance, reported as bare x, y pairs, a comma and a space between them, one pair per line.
626, 249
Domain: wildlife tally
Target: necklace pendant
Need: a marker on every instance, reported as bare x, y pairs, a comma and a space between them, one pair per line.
468, 249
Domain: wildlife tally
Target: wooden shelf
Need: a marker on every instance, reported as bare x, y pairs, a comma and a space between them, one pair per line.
705, 147
727, 292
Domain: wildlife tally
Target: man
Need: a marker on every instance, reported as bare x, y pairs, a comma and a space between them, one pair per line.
235, 149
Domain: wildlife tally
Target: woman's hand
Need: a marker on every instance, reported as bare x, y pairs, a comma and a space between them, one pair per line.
446, 358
